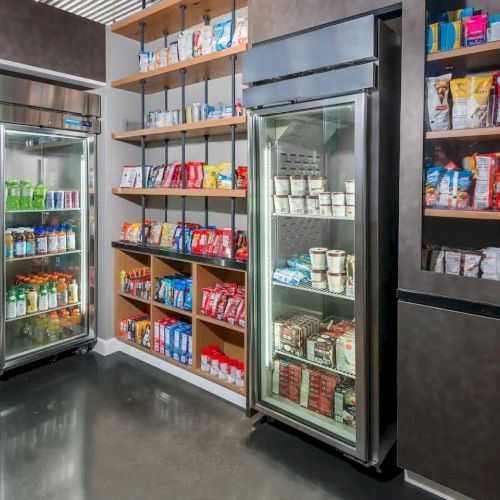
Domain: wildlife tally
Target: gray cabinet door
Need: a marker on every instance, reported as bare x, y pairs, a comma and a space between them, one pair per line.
449, 398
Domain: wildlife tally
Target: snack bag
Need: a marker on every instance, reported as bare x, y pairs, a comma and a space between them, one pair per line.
463, 196
194, 175
128, 176
490, 264
197, 43
173, 53
207, 40
452, 262
475, 29
185, 42
496, 107
469, 164
210, 176
483, 191
225, 176
154, 237
242, 177
479, 102
432, 38
461, 94
125, 232
156, 176
241, 31
432, 184
437, 260
471, 263
222, 34
438, 109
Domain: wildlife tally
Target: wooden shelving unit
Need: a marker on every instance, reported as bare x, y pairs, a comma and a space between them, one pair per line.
163, 17
463, 214
212, 66
469, 58
205, 330
216, 193
472, 134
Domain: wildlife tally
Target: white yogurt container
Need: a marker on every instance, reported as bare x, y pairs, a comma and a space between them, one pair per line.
312, 205
316, 184
349, 187
336, 282
318, 279
338, 210
296, 204
298, 185
338, 198
325, 210
350, 199
318, 258
282, 185
336, 261
281, 205
325, 198
350, 211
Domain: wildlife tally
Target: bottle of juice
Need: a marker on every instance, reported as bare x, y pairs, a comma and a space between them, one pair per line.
32, 300
76, 317
40, 241
39, 329
43, 298
13, 195
65, 323
73, 292
70, 239
53, 329
9, 244
62, 292
30, 242
21, 303
61, 239
26, 192
39, 195
19, 243
11, 312
52, 295
52, 241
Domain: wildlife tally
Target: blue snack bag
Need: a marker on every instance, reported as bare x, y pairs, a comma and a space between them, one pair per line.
188, 294
223, 34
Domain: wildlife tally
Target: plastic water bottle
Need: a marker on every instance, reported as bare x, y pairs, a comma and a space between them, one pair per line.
39, 196
26, 198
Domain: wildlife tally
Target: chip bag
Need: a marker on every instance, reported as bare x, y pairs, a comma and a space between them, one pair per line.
210, 174
432, 183
438, 109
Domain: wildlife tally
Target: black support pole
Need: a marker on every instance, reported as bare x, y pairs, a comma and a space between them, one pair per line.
233, 147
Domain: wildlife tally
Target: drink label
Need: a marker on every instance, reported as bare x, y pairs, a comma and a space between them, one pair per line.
71, 242
61, 243
9, 250
21, 307
52, 244
43, 302
41, 246
19, 249
11, 309
30, 248
62, 298
52, 300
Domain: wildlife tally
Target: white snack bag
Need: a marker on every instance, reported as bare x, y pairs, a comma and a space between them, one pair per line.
128, 176
437, 109
241, 31
185, 42
207, 40
490, 265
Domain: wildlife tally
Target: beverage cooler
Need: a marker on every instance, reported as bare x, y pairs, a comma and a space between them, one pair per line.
323, 218
47, 156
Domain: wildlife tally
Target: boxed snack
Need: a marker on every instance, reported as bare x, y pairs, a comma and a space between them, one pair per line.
156, 176
186, 45
284, 378
437, 108
314, 391
276, 377
222, 33
294, 383
326, 395
346, 353
474, 28
486, 165
304, 387
432, 38
345, 405
128, 176
450, 35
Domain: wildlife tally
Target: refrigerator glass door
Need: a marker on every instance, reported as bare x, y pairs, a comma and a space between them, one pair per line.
44, 285
308, 267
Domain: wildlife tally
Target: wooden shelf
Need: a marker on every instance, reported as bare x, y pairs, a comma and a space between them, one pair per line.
164, 17
217, 193
184, 312
133, 297
215, 65
208, 319
216, 380
196, 129
463, 214
472, 134
469, 58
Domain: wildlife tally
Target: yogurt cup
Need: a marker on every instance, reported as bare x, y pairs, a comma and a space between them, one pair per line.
281, 205
318, 258
312, 205
338, 198
350, 199
282, 185
336, 282
296, 204
325, 210
316, 184
325, 198
318, 279
298, 185
349, 187
336, 261
350, 211
338, 210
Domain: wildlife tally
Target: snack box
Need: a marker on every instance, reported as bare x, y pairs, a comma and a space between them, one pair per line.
474, 29
346, 354
345, 405
450, 35
432, 38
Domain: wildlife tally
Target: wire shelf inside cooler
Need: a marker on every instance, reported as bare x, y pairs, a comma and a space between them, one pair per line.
307, 286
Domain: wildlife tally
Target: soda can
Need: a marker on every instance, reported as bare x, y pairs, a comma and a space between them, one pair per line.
50, 203
58, 199
75, 198
68, 199
189, 114
196, 112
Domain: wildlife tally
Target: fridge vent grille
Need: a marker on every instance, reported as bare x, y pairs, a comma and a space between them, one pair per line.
299, 235
298, 164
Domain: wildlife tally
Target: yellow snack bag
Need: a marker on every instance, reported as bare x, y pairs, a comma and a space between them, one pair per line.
461, 94
167, 234
210, 173
225, 176
478, 105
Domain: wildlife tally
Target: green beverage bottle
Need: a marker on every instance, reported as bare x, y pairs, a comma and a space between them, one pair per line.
26, 198
12, 200
21, 303
39, 195
11, 303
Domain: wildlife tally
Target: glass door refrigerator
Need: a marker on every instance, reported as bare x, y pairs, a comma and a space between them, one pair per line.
48, 253
323, 227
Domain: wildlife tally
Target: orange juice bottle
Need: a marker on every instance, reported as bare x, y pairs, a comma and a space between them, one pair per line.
62, 292
76, 317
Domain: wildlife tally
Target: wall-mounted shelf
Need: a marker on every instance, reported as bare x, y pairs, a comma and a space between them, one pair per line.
163, 17
196, 129
215, 193
223, 324
215, 65
472, 134
463, 214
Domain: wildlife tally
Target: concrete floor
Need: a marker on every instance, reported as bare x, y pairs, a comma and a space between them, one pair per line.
113, 428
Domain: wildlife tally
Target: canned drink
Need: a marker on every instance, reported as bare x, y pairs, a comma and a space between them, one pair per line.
68, 199
50, 200
175, 117
58, 199
189, 114
204, 111
196, 112
75, 199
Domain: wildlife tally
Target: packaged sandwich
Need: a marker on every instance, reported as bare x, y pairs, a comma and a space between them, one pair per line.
461, 95
438, 109
486, 171
432, 183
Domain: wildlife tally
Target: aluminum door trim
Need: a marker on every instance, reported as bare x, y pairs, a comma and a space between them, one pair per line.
2, 248
362, 345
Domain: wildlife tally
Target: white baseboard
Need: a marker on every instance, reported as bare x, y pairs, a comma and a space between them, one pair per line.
433, 487
106, 347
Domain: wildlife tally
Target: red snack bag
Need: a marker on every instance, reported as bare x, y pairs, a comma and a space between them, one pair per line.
194, 175
177, 177
326, 395
242, 177
314, 391
294, 382
486, 165
225, 250
221, 306
125, 231
284, 379
241, 314
204, 299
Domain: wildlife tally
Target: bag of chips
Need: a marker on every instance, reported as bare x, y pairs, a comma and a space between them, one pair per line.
432, 183
222, 34
186, 45
438, 109
486, 170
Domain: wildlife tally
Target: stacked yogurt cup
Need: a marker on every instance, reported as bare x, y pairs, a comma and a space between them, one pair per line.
328, 269
306, 195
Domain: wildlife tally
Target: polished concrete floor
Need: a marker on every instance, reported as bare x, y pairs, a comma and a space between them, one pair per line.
113, 428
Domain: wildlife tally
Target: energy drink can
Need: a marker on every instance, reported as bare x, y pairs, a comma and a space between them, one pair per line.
68, 199
50, 200
58, 199
75, 199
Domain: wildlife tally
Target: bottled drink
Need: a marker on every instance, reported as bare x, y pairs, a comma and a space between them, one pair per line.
52, 241
43, 298
13, 195
73, 292
11, 312
52, 295
40, 241
65, 324
32, 300
30, 242
61, 239
70, 239
62, 293
39, 195
39, 327
26, 198
21, 303
53, 329
9, 244
19, 243
76, 317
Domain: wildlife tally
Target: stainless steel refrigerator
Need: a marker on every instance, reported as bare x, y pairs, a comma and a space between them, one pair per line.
323, 160
48, 252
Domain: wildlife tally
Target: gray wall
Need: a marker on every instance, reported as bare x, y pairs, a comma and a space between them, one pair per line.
38, 35
277, 18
